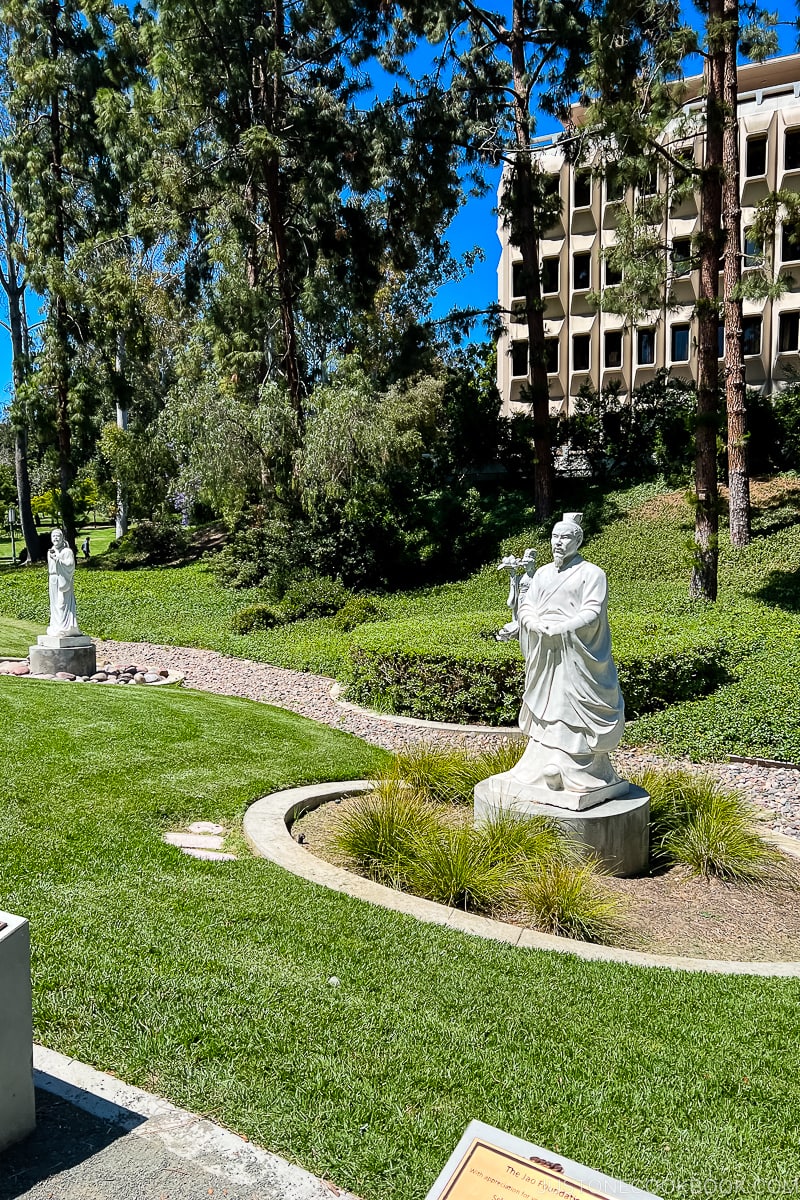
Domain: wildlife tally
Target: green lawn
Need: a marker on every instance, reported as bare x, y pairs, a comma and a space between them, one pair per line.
208, 983
99, 536
641, 538
17, 636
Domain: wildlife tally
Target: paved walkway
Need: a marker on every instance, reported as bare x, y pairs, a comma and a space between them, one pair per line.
775, 789
100, 1139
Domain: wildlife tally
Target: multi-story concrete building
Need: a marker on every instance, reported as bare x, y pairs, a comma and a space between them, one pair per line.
587, 345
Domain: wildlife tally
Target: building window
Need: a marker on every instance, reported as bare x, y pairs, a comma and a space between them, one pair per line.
751, 335
549, 276
551, 355
755, 160
615, 185
581, 351
685, 172
550, 187
648, 185
646, 347
581, 271
517, 286
582, 189
519, 359
613, 275
791, 150
788, 328
679, 345
682, 256
753, 250
613, 349
720, 340
790, 242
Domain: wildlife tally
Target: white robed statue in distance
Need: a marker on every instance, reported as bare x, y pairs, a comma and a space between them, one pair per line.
572, 710
61, 573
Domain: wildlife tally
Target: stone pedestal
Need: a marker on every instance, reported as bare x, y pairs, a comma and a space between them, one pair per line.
614, 831
17, 1110
52, 654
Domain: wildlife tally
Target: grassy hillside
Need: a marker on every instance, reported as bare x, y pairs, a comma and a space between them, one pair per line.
642, 538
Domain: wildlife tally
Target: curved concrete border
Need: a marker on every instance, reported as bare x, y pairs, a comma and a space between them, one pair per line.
417, 722
267, 825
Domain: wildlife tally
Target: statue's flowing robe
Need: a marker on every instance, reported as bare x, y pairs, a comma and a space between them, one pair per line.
63, 611
572, 699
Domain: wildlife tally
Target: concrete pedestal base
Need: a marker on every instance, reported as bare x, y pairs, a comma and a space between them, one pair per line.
17, 1111
53, 654
615, 832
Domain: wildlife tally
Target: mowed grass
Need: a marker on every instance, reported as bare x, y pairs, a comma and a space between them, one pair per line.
17, 636
208, 983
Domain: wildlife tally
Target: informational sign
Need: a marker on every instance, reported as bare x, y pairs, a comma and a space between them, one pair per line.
489, 1164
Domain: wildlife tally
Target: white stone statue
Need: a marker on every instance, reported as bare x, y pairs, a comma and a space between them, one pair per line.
520, 574
572, 709
61, 572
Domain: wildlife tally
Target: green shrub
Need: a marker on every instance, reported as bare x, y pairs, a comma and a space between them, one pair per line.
569, 901
696, 821
357, 610
255, 616
446, 669
148, 544
314, 596
451, 669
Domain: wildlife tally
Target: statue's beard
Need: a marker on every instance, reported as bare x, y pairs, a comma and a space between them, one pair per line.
558, 557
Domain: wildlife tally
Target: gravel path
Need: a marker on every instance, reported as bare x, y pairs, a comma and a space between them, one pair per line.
776, 789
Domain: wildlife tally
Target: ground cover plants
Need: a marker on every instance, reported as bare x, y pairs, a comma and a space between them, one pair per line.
701, 680
208, 983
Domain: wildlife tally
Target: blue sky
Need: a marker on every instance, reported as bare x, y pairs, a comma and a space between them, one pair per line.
475, 225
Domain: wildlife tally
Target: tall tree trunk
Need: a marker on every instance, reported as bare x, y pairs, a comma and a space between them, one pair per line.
524, 234
735, 388
19, 348
121, 507
13, 284
704, 574
277, 221
66, 471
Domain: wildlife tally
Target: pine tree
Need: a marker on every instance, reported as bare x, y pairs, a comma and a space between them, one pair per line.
61, 55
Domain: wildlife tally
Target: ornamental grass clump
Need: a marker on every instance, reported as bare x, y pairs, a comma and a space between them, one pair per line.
528, 842
450, 864
569, 901
448, 775
697, 822
377, 831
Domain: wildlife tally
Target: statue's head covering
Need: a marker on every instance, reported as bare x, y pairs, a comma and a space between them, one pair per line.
574, 522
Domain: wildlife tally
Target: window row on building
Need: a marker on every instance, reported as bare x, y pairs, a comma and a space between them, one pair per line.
755, 166
644, 345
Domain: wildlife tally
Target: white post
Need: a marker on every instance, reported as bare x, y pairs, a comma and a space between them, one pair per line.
17, 1106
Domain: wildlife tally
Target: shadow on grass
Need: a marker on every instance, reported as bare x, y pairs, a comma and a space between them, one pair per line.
782, 589
780, 511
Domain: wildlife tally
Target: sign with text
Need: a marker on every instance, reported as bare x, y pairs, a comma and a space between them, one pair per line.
489, 1164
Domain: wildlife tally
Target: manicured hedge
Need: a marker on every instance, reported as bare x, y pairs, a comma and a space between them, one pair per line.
451, 669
